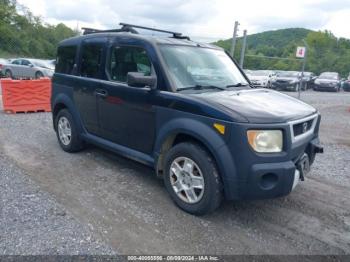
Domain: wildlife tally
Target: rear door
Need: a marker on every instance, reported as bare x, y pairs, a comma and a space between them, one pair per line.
16, 68
127, 116
87, 88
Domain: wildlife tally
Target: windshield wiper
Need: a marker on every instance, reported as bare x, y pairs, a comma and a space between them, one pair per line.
202, 87
236, 85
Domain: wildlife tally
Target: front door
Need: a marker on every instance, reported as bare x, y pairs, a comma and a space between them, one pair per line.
126, 114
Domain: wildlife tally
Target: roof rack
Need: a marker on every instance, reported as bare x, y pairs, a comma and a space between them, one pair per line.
130, 28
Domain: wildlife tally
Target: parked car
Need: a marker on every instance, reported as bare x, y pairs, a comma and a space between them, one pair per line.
346, 84
308, 80
248, 73
287, 81
262, 78
3, 62
28, 68
328, 81
186, 109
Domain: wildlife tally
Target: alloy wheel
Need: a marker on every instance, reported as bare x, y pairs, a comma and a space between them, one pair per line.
64, 131
187, 180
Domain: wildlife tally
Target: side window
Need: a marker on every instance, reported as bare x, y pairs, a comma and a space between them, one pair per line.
25, 63
16, 62
128, 59
91, 60
66, 59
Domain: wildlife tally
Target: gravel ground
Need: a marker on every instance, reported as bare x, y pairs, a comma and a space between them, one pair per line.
33, 223
106, 197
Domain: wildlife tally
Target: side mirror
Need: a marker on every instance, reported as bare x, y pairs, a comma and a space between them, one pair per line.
137, 79
31, 65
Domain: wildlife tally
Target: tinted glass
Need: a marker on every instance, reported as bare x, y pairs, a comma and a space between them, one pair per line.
333, 76
91, 60
16, 62
26, 63
128, 59
66, 59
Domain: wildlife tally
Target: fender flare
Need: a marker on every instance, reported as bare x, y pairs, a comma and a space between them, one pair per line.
207, 135
68, 103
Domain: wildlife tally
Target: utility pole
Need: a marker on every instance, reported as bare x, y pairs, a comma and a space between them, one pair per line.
303, 68
234, 38
241, 62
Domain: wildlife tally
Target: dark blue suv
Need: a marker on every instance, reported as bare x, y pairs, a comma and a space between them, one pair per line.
186, 109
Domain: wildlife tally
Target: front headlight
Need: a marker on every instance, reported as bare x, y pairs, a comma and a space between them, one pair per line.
266, 141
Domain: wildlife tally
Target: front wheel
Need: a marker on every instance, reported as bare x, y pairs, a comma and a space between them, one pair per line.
67, 133
192, 179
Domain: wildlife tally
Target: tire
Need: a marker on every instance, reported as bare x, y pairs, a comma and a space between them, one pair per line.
8, 74
209, 188
73, 142
39, 75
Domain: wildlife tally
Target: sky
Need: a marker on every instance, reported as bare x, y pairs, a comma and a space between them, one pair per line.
206, 19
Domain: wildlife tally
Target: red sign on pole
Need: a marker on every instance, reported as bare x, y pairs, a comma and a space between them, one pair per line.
300, 52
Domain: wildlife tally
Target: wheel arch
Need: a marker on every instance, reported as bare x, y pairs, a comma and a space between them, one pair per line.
61, 102
187, 130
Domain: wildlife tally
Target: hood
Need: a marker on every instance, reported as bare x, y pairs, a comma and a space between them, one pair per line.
260, 105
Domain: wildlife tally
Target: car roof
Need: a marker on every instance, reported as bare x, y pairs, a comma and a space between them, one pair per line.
147, 38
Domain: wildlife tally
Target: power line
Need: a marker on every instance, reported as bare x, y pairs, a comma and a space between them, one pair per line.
274, 57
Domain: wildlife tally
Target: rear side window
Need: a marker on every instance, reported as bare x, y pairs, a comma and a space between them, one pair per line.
16, 62
66, 59
91, 60
128, 59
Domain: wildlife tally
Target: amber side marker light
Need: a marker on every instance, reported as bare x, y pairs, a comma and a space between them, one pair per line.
220, 128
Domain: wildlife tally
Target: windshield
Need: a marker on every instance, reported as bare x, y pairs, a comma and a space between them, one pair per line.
260, 73
288, 74
329, 76
194, 66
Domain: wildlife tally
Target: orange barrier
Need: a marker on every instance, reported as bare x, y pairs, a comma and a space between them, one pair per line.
26, 96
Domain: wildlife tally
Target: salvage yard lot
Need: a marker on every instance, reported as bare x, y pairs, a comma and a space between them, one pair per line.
110, 204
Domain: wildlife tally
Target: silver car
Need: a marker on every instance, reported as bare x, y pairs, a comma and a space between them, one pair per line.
28, 68
3, 62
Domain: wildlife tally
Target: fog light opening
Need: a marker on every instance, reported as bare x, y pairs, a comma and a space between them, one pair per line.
268, 181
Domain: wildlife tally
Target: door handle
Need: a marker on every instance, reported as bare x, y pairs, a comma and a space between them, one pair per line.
101, 92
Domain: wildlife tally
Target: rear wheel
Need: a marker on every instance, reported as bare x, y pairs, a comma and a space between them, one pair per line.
8, 74
67, 133
192, 179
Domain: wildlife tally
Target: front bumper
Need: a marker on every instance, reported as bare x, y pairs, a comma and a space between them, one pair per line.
284, 86
262, 176
331, 88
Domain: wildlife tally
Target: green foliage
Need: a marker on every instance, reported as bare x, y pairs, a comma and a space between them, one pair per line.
326, 52
23, 34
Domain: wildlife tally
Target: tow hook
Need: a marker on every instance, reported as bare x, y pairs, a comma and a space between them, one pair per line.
303, 166
318, 149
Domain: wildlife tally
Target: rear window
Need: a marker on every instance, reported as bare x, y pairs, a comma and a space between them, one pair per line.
91, 60
66, 59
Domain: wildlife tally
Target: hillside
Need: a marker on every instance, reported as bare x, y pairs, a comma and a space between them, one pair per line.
22, 34
327, 53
